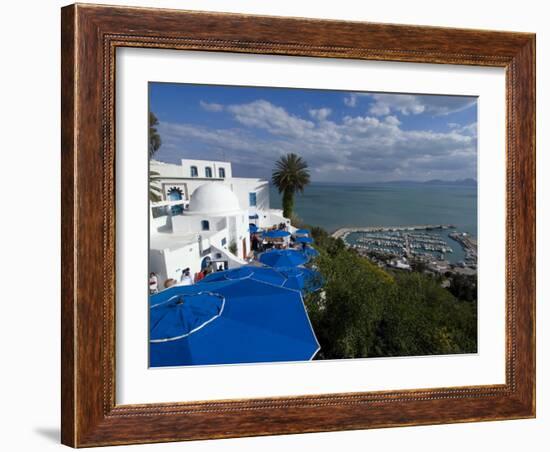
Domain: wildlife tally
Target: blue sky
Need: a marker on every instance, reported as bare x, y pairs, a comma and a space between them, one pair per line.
344, 136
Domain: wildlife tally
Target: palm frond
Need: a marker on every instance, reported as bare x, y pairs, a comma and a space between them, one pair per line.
155, 192
290, 173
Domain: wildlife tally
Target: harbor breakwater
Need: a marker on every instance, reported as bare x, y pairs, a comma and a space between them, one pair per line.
343, 232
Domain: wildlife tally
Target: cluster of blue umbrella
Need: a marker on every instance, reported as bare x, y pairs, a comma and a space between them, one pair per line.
229, 322
248, 314
296, 278
289, 257
283, 258
276, 234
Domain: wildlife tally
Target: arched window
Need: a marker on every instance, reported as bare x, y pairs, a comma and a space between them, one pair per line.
175, 194
205, 225
208, 171
221, 172
194, 171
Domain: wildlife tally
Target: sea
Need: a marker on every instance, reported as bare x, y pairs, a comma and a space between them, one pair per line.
333, 206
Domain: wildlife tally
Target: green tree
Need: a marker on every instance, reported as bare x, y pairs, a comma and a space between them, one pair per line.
425, 319
464, 287
154, 136
418, 265
365, 311
290, 175
345, 315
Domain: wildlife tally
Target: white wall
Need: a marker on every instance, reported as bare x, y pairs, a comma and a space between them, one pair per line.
160, 224
193, 223
184, 169
242, 187
274, 217
157, 264
201, 166
166, 169
187, 256
169, 262
31, 361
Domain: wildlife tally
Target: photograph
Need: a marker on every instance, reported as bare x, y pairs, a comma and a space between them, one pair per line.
291, 224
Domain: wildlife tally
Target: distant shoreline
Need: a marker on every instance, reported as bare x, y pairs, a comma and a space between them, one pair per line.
342, 232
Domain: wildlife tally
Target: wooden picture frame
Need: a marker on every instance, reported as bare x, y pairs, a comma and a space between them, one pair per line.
90, 36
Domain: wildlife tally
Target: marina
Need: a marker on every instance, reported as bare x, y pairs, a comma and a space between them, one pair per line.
401, 247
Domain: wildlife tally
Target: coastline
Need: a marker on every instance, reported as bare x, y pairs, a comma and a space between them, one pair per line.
342, 232
334, 207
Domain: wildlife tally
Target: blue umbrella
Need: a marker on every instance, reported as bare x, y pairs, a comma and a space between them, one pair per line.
283, 258
183, 313
302, 232
301, 278
245, 321
304, 240
262, 274
276, 234
310, 252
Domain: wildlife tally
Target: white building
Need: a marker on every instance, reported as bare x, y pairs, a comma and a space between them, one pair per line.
204, 216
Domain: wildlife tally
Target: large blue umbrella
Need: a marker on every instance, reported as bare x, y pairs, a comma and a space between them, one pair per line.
183, 313
304, 240
276, 234
301, 278
302, 232
283, 258
262, 274
242, 321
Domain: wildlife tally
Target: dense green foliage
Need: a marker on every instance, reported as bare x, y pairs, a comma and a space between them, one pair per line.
154, 136
290, 175
155, 193
464, 287
365, 311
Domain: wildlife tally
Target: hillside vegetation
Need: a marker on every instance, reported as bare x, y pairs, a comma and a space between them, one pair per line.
365, 311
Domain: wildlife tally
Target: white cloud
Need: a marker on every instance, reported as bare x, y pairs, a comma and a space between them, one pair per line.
406, 104
320, 114
356, 148
409, 104
469, 129
213, 107
265, 115
351, 100
392, 120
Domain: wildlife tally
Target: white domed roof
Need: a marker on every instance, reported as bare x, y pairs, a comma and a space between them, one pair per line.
213, 199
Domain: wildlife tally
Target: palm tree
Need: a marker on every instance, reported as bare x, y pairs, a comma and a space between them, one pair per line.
155, 193
154, 137
290, 175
